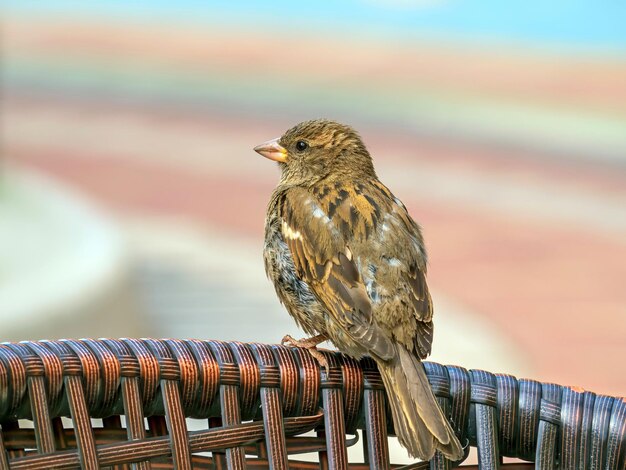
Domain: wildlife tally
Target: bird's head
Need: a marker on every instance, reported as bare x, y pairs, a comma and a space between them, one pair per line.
320, 149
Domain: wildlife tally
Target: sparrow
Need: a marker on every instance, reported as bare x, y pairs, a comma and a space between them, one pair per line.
348, 262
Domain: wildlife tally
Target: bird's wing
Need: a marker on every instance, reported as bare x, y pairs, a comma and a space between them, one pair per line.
324, 260
406, 276
423, 310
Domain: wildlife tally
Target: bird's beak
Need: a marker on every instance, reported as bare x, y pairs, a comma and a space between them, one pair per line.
272, 150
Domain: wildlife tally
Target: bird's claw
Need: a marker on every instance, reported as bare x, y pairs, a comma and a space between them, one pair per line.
304, 343
310, 344
289, 340
320, 358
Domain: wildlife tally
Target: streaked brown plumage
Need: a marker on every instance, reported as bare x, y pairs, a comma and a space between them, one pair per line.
349, 264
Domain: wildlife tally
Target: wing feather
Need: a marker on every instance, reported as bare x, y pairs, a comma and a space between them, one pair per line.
320, 255
321, 239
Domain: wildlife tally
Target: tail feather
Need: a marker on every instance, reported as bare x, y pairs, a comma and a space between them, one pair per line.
419, 423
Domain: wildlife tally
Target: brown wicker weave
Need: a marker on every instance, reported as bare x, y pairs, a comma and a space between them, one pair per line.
257, 400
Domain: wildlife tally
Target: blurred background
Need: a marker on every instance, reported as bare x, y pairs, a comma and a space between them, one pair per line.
132, 204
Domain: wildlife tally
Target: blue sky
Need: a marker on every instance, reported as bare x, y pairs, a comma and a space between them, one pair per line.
557, 23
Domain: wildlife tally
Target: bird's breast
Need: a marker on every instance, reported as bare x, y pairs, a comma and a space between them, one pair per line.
295, 294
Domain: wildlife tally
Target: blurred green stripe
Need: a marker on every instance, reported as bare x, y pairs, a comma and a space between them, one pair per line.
449, 111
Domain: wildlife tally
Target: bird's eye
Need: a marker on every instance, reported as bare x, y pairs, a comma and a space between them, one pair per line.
301, 146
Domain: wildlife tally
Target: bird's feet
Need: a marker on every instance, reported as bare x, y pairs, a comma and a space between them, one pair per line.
310, 344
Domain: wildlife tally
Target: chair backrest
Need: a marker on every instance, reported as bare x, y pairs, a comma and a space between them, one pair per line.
124, 403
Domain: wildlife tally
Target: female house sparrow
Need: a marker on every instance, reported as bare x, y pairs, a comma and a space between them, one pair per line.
348, 262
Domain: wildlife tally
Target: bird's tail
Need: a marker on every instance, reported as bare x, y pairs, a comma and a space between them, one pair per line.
418, 421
